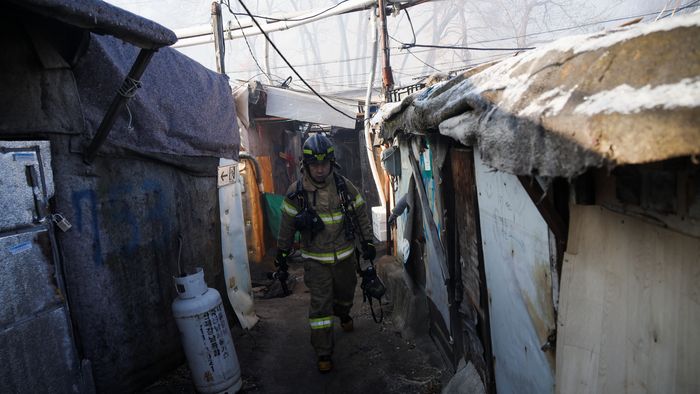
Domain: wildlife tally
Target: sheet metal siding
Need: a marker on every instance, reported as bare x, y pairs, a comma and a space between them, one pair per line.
121, 254
516, 258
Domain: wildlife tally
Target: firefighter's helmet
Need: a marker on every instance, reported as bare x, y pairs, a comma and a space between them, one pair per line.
318, 148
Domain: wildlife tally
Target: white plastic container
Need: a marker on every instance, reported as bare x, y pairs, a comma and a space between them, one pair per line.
379, 223
200, 317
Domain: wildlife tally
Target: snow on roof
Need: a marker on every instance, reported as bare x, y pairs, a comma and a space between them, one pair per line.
629, 95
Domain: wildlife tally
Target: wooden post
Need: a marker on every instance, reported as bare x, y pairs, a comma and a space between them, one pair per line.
217, 26
387, 76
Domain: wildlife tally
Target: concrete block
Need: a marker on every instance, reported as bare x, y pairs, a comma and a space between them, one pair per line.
409, 306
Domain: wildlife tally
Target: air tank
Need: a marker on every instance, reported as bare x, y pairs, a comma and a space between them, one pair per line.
205, 335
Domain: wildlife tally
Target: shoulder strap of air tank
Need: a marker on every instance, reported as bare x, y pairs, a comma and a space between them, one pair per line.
341, 187
299, 193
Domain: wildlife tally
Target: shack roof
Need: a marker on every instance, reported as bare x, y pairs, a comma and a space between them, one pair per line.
102, 18
625, 96
58, 82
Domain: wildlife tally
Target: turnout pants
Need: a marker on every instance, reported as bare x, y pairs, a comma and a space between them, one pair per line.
332, 289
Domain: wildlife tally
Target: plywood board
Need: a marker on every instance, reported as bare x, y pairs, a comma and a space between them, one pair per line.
629, 308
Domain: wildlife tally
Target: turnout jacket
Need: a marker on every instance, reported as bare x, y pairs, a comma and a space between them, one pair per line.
329, 245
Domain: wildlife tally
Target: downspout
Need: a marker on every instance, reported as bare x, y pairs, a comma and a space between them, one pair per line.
368, 101
126, 91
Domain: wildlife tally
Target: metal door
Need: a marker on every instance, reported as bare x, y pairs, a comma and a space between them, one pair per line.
36, 339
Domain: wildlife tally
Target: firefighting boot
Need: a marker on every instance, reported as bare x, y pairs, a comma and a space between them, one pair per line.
325, 364
346, 323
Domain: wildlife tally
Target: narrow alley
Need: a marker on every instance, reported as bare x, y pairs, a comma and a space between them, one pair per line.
513, 184
276, 357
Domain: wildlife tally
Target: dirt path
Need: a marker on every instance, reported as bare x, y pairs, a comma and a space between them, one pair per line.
372, 359
276, 356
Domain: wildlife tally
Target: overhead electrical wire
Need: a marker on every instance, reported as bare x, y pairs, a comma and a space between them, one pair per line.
622, 18
413, 44
273, 19
227, 3
413, 31
692, 4
289, 64
408, 45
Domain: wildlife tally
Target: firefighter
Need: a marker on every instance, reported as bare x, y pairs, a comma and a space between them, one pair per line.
318, 206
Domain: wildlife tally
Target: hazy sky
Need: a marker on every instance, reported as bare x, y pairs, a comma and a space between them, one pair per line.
334, 54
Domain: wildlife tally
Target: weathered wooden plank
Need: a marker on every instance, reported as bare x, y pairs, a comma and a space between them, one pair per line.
473, 293
630, 307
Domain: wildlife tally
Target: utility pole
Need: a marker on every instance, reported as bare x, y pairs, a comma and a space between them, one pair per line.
217, 25
387, 76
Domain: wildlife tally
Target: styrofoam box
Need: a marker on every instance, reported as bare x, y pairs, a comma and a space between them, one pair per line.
379, 214
380, 235
379, 223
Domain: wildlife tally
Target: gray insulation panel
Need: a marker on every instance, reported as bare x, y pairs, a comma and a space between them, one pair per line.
16, 199
54, 370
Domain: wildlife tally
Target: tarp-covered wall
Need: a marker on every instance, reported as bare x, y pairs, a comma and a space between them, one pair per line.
181, 109
129, 208
121, 254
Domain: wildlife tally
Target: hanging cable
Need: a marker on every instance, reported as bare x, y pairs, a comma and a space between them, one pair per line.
689, 5
289, 64
413, 32
227, 3
273, 19
412, 54
407, 45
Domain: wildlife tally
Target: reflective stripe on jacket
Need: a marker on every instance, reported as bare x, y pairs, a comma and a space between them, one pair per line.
330, 245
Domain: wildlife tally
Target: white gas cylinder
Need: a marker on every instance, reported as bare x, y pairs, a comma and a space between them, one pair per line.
205, 335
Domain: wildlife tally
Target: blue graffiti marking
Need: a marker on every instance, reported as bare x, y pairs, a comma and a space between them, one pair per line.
77, 198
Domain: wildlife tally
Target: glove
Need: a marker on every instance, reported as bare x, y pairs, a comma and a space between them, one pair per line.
392, 219
281, 260
368, 250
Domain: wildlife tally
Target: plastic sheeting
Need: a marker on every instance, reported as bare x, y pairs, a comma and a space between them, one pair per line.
273, 212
